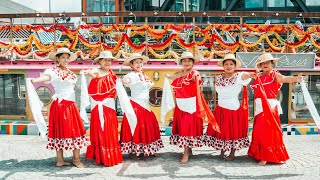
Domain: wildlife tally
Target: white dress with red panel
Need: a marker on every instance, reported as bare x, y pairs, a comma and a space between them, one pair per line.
230, 115
146, 138
66, 129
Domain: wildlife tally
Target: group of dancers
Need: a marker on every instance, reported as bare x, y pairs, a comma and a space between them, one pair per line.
228, 123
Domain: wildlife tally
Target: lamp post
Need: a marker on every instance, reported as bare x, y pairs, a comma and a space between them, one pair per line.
49, 6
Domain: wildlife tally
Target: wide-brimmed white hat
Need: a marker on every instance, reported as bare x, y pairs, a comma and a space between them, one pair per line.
63, 50
187, 55
264, 58
104, 55
134, 56
229, 57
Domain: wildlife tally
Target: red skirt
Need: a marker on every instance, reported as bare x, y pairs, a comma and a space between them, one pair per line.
105, 147
187, 129
146, 138
66, 129
234, 130
267, 143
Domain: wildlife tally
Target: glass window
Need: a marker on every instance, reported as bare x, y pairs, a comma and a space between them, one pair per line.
298, 108
254, 21
155, 96
186, 5
312, 2
253, 4
108, 6
178, 5
101, 6
289, 3
44, 94
179, 1
193, 5
12, 94
208, 90
96, 6
276, 3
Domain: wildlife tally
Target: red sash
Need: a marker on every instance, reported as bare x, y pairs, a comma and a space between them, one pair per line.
245, 104
268, 115
203, 110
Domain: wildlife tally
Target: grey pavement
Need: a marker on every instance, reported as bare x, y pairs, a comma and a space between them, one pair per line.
25, 157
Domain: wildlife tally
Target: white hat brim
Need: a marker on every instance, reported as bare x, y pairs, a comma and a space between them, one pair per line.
53, 55
127, 61
99, 58
275, 60
187, 57
238, 62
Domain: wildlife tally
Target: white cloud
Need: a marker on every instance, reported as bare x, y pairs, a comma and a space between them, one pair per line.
56, 5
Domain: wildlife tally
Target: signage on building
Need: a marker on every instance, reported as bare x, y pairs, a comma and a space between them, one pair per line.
286, 60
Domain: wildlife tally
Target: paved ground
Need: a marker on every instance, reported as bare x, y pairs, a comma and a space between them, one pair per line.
25, 157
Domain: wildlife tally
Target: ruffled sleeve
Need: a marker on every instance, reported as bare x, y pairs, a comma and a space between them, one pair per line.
191, 76
50, 72
113, 75
178, 82
175, 82
130, 79
241, 81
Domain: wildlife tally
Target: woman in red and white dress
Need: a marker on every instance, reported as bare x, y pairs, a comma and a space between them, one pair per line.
191, 108
231, 117
146, 138
66, 129
267, 143
105, 147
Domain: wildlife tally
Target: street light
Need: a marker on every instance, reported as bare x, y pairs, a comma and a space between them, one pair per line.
49, 6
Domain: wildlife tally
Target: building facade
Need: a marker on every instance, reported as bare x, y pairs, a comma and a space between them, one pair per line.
199, 5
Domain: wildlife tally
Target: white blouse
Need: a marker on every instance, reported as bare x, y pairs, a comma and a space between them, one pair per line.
139, 85
62, 82
228, 90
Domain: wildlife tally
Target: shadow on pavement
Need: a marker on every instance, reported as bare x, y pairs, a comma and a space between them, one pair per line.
199, 166
47, 166
169, 162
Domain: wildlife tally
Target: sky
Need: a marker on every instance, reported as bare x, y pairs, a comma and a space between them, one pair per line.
56, 5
